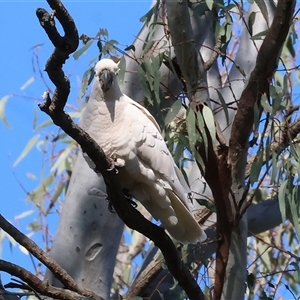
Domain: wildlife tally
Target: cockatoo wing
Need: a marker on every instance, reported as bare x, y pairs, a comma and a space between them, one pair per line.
153, 154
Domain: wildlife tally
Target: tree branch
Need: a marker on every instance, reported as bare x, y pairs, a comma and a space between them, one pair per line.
130, 216
37, 252
258, 84
38, 285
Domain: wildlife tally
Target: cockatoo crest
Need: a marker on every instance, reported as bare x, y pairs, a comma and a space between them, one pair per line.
126, 130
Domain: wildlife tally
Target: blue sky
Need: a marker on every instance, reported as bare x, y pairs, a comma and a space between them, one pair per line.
20, 31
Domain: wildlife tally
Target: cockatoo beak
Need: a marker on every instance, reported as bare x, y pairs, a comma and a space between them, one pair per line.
106, 80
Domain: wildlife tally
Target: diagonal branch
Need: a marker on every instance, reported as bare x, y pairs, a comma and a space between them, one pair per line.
131, 217
38, 285
37, 252
258, 84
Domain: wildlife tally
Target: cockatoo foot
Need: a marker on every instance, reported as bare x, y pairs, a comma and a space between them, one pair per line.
129, 197
116, 162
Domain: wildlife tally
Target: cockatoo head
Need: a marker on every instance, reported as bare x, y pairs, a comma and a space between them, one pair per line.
106, 71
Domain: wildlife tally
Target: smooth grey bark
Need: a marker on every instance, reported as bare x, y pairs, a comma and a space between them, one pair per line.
237, 262
88, 235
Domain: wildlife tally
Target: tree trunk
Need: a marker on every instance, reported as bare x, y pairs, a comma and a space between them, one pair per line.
88, 235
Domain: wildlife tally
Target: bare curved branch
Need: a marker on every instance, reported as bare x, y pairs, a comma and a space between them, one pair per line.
130, 216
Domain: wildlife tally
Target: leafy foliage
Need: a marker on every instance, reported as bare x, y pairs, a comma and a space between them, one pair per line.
274, 166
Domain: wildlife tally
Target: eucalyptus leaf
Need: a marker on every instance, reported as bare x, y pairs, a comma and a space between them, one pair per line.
256, 167
260, 35
209, 120
79, 52
210, 4
224, 106
191, 129
3, 102
27, 83
281, 198
44, 124
263, 8
24, 214
37, 195
27, 148
173, 111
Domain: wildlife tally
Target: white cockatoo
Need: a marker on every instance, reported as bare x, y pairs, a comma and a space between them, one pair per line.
127, 132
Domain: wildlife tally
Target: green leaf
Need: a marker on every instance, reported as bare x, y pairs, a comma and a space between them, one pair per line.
27, 83
200, 9
209, 120
224, 106
44, 124
256, 167
2, 110
191, 129
276, 93
173, 111
27, 148
156, 63
79, 52
35, 117
260, 35
263, 8
178, 153
294, 209
59, 189
147, 46
281, 199
24, 214
201, 126
60, 162
126, 274
34, 226
210, 205
144, 84
200, 161
147, 17
103, 32
251, 21
37, 195
87, 78
257, 115
265, 104
274, 167
209, 4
